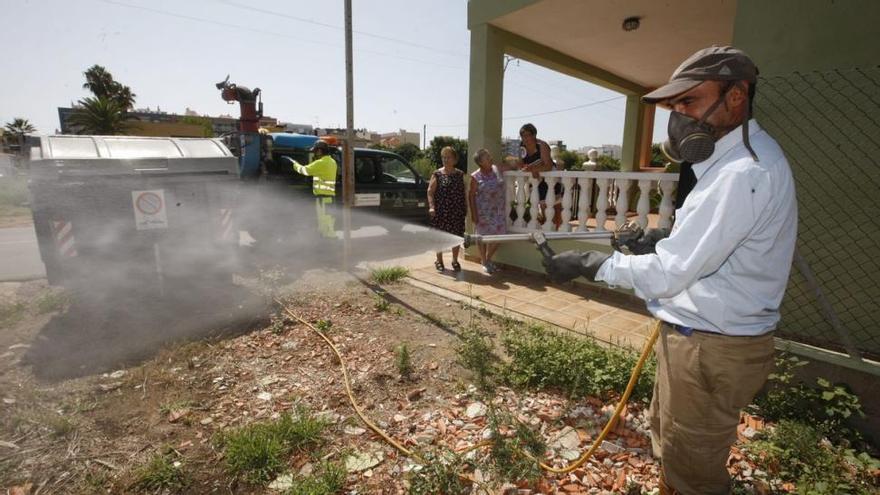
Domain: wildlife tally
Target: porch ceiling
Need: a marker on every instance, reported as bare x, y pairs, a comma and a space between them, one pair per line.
591, 31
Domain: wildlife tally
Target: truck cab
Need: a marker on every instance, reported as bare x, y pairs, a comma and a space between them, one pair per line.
385, 183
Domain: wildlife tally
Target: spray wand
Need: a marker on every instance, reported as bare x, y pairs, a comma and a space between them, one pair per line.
623, 236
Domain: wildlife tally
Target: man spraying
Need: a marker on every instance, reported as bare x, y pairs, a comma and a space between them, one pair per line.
717, 281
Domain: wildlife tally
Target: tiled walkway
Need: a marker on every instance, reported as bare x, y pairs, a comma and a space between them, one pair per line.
610, 317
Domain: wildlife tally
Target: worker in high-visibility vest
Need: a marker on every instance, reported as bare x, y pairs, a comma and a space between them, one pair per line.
322, 170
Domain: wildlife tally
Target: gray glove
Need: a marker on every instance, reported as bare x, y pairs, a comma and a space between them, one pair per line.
647, 244
572, 264
640, 242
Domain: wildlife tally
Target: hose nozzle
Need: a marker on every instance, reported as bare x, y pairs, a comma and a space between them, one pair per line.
540, 240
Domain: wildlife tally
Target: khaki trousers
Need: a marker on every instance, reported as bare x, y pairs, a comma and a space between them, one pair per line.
702, 383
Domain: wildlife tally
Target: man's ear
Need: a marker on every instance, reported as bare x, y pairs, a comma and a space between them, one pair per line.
738, 94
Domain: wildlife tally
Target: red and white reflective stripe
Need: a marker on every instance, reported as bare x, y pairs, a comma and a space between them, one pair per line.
225, 223
64, 240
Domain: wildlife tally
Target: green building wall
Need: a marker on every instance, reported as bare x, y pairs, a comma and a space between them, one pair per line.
819, 96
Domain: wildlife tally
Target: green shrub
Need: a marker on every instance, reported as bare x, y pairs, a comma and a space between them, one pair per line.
11, 313
828, 406
53, 300
59, 425
403, 360
513, 457
439, 474
543, 359
277, 323
328, 479
177, 404
425, 167
570, 159
161, 472
476, 353
381, 304
388, 274
797, 452
257, 452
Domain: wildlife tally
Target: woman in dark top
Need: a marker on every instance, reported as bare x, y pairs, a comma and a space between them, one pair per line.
536, 158
446, 203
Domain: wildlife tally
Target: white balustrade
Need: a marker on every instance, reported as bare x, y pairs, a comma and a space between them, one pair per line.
602, 203
666, 205
509, 198
567, 183
533, 203
522, 188
585, 184
622, 203
549, 205
520, 183
644, 205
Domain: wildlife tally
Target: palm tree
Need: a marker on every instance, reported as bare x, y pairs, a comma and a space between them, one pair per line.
18, 128
101, 83
124, 96
101, 116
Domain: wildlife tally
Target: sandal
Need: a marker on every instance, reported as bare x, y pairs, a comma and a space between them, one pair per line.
439, 266
456, 267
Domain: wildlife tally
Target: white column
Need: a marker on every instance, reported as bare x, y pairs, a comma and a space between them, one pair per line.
602, 204
550, 210
509, 192
644, 205
666, 206
520, 202
533, 209
567, 184
622, 203
586, 187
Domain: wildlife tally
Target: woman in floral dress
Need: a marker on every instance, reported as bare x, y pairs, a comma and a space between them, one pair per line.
487, 204
446, 203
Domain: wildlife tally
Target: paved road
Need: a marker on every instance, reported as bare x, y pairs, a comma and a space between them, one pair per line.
19, 255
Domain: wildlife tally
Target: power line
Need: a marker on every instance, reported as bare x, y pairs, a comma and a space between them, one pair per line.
561, 110
271, 33
566, 109
339, 28
446, 125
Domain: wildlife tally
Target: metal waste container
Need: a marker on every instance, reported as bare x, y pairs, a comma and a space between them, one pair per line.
137, 213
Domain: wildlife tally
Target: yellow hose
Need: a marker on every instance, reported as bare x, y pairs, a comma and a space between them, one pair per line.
348, 391
633, 379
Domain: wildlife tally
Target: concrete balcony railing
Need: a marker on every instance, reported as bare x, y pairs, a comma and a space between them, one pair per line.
589, 195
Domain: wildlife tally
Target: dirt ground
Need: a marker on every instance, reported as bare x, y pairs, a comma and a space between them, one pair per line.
90, 394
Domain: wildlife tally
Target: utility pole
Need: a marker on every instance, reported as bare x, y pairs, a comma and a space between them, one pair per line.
348, 159
424, 134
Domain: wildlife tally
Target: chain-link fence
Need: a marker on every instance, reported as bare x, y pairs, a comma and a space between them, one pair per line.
828, 123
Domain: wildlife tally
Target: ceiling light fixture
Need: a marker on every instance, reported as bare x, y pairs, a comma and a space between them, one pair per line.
631, 23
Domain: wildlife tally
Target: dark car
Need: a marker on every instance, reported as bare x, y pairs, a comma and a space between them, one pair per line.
385, 183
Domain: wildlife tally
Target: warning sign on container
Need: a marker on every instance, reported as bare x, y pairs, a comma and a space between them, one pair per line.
149, 209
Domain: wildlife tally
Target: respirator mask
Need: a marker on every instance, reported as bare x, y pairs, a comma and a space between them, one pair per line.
691, 140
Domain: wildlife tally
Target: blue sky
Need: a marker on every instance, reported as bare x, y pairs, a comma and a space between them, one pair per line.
410, 64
